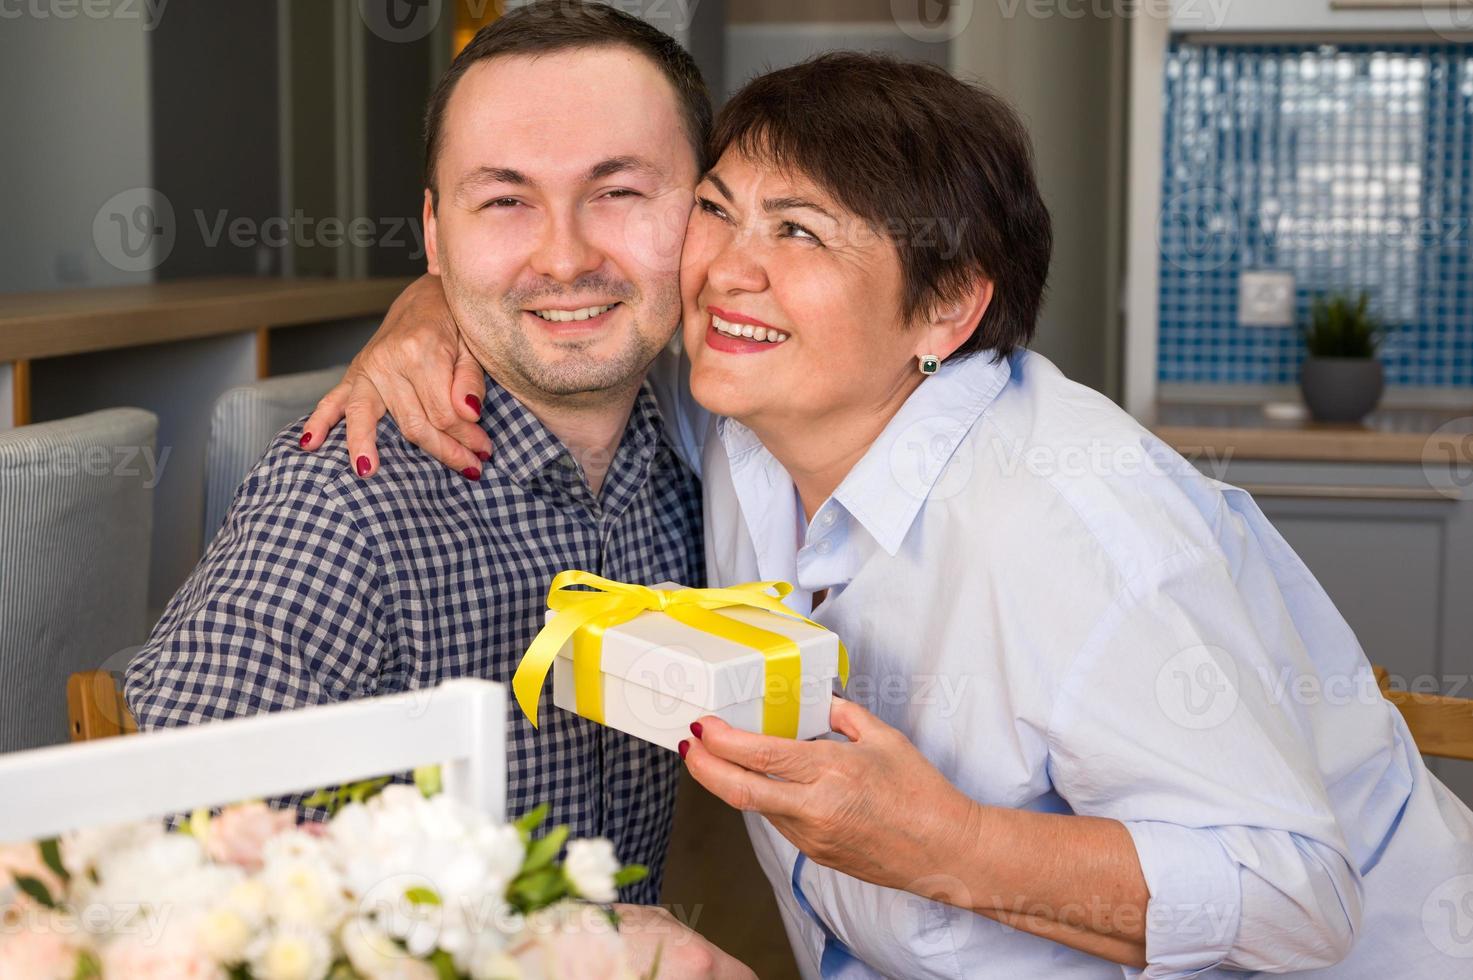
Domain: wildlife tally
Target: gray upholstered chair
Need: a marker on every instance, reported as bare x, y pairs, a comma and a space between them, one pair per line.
244, 422
76, 518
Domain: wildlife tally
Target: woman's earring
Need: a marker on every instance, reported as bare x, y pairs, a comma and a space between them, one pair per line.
930, 363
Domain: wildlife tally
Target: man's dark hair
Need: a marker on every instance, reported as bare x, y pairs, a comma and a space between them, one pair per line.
548, 26
941, 167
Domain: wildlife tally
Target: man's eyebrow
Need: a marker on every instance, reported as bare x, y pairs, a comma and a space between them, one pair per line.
621, 165
496, 175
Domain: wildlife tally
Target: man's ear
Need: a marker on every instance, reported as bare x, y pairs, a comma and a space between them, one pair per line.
948, 325
432, 240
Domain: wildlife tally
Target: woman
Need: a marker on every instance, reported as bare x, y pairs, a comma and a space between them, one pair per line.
1077, 735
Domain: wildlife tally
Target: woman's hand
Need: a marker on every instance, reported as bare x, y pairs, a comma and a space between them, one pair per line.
872, 807
651, 933
418, 369
876, 809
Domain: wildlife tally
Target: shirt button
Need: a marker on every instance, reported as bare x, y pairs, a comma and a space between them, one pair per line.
828, 519
824, 547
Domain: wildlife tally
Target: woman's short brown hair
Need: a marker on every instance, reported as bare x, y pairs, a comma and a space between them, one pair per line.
941, 167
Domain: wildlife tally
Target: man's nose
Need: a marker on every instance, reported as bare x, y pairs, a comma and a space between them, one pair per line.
565, 253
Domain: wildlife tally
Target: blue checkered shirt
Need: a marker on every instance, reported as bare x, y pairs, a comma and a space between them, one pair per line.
322, 587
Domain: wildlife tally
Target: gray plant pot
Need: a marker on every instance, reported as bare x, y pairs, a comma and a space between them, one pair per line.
1341, 389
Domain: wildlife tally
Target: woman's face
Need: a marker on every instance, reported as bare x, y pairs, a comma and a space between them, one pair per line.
768, 253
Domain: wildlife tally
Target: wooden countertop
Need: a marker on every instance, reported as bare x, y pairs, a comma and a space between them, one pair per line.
1389, 435
49, 324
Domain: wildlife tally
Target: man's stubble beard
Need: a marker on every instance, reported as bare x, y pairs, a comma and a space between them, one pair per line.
497, 336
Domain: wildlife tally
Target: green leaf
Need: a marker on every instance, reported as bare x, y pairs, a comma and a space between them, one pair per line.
88, 968
629, 874
36, 889
358, 792
530, 821
322, 799
422, 896
537, 890
444, 965
543, 851
51, 854
430, 780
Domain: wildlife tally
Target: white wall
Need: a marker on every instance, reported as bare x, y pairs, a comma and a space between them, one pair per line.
1064, 75
75, 120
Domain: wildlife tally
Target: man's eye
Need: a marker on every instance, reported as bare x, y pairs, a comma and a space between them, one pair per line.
502, 202
623, 192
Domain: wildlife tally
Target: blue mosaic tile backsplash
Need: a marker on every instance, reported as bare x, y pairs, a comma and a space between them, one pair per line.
1350, 165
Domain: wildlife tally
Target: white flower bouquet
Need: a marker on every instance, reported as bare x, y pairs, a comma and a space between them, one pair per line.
400, 884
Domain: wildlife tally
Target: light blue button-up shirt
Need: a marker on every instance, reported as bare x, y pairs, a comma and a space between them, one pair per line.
1065, 616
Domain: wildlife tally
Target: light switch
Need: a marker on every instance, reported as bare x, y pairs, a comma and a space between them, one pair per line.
1266, 298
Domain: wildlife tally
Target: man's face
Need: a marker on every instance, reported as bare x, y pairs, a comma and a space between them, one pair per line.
565, 185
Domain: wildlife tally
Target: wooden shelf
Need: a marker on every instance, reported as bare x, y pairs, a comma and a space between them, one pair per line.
52, 324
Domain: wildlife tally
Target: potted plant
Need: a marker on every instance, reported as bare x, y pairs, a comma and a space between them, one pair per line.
1341, 377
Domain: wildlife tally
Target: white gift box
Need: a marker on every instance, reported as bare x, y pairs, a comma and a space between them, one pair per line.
659, 675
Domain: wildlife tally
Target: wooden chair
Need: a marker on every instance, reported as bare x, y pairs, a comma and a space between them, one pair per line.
461, 725
95, 707
1441, 726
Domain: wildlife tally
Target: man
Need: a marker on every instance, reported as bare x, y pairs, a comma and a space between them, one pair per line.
561, 149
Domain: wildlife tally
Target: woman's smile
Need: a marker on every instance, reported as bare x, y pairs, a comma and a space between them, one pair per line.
737, 333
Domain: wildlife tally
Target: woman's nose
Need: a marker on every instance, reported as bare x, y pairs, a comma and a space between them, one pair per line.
565, 253
736, 268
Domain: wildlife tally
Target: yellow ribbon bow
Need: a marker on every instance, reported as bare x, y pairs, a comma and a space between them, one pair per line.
584, 616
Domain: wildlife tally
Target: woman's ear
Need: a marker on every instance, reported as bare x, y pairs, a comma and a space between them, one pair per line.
432, 245
950, 324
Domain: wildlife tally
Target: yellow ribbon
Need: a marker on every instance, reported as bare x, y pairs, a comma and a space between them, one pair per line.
583, 616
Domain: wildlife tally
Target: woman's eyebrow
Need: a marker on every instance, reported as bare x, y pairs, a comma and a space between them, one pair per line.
771, 203
788, 203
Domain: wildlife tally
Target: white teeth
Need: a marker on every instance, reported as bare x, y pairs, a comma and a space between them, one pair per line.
767, 334
569, 316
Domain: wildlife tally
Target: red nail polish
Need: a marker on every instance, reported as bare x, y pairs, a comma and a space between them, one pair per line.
484, 457
695, 729
474, 403
471, 473
306, 438
364, 466
684, 747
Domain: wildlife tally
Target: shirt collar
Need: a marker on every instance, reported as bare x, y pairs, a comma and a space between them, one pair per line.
886, 488
898, 474
524, 447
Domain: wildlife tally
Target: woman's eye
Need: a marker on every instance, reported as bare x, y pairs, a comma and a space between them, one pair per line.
711, 208
793, 230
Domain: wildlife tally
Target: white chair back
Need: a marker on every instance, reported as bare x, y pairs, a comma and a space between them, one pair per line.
461, 725
244, 422
76, 519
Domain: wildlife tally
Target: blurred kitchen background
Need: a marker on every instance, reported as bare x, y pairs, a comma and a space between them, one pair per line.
208, 203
